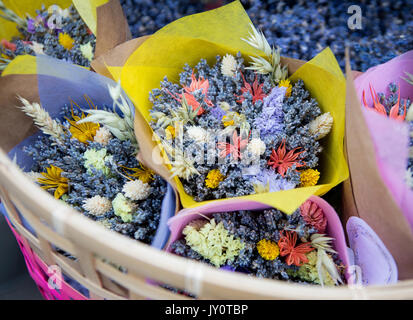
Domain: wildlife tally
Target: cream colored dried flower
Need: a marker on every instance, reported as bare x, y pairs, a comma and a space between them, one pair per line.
324, 261
136, 190
197, 133
42, 119
33, 176
321, 126
229, 65
256, 147
37, 48
181, 166
121, 126
271, 63
103, 136
97, 205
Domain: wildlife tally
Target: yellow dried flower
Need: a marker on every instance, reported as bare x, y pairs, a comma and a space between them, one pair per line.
66, 41
227, 122
287, 84
170, 132
143, 173
83, 132
213, 179
53, 179
309, 177
268, 250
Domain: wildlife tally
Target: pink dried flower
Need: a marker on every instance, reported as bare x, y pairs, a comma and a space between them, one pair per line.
314, 216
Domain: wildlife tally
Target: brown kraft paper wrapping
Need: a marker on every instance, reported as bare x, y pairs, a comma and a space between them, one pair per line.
112, 27
15, 125
365, 195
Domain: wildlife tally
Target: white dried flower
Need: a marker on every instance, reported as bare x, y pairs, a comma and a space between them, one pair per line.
136, 190
103, 136
256, 147
120, 125
182, 166
33, 176
42, 119
229, 65
197, 133
38, 48
321, 126
97, 205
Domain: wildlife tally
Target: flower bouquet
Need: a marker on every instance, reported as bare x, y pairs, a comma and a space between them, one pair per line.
232, 118
379, 139
85, 152
248, 237
64, 30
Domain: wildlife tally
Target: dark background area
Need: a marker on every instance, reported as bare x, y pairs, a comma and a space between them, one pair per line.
15, 281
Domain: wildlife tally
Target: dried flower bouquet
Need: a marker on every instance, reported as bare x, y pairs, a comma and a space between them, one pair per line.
235, 129
265, 242
56, 32
87, 158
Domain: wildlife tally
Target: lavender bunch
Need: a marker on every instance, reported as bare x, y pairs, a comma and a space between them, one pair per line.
55, 32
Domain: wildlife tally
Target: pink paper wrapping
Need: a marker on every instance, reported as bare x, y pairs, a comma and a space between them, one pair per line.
334, 226
390, 137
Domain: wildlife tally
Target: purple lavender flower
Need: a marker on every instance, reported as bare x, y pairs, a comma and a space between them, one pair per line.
273, 180
217, 113
30, 26
271, 120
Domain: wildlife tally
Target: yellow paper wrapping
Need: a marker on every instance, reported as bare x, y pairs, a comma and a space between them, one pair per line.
86, 9
218, 32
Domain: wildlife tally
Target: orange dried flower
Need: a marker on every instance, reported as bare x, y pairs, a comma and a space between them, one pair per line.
255, 91
238, 144
200, 84
282, 161
378, 107
295, 254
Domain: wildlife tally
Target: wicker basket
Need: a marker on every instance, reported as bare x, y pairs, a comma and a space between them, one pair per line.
57, 225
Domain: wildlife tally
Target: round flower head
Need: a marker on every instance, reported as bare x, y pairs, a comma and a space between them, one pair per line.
97, 205
309, 177
321, 126
103, 136
256, 147
66, 41
229, 66
197, 133
97, 159
314, 216
268, 250
136, 190
213, 179
123, 208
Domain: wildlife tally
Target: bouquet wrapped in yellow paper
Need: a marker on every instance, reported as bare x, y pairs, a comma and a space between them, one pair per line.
75, 31
223, 115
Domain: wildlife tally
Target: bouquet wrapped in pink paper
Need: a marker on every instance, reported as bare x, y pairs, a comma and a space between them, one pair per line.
246, 236
379, 137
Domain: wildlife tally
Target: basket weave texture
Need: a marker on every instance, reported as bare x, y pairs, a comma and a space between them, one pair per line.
56, 225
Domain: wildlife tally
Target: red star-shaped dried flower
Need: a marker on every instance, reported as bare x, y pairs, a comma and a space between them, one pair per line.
238, 144
295, 254
255, 91
282, 161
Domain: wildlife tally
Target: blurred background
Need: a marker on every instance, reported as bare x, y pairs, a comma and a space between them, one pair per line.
300, 28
